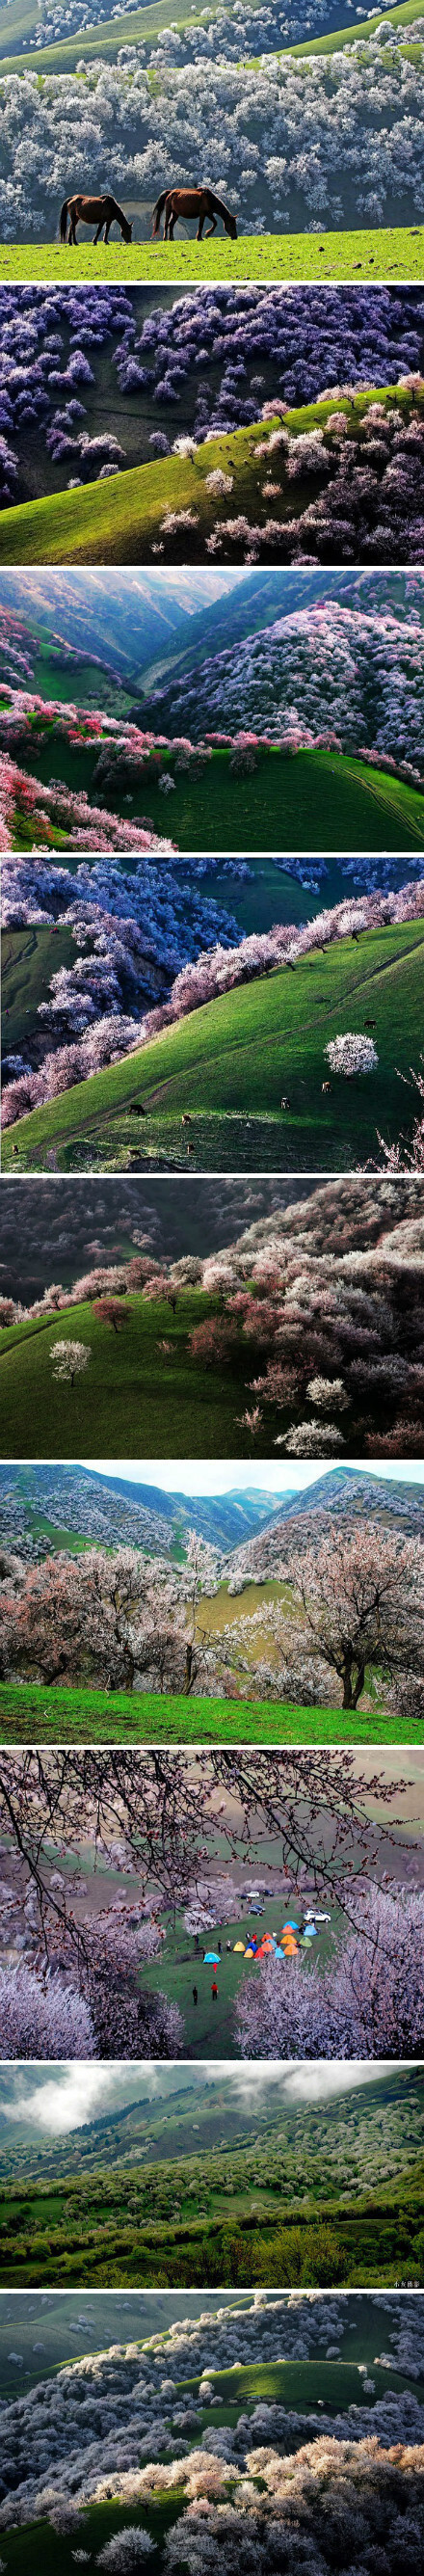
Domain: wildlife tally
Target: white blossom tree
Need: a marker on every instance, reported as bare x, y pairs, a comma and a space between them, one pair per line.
69, 1360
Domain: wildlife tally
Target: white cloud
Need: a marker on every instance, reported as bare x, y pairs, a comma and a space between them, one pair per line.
68, 2096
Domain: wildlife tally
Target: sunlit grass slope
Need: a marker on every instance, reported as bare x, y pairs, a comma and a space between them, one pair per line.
29, 1713
104, 40
317, 800
228, 1066
396, 251
120, 520
156, 1406
360, 31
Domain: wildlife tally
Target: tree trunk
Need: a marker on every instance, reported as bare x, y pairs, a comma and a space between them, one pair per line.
352, 1689
359, 1684
189, 1672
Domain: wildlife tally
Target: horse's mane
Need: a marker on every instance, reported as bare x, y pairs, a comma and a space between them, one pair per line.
218, 204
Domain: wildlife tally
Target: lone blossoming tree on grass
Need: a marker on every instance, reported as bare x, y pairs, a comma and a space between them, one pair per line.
69, 1359
351, 1054
111, 1310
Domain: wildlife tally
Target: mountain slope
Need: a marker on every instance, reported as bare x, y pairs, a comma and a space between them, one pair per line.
343, 1493
125, 619
110, 1511
198, 2115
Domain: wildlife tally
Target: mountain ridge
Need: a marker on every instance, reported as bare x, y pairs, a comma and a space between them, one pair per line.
249, 1526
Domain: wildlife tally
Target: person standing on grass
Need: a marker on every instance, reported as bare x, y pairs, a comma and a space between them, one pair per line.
195, 1995
214, 1992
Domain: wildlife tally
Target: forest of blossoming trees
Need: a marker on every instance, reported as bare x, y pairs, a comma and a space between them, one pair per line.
327, 675
357, 672
254, 27
317, 1318
251, 124
143, 2417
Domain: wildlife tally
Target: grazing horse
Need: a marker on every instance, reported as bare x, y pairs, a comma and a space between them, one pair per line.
92, 210
181, 202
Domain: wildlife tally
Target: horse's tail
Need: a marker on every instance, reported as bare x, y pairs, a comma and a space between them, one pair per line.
63, 219
158, 211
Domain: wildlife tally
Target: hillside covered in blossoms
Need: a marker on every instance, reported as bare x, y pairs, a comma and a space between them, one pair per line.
214, 1077
98, 384
336, 676
260, 2423
268, 2420
307, 1336
247, 123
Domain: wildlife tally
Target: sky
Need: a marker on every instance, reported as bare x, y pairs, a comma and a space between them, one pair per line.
206, 1476
63, 2097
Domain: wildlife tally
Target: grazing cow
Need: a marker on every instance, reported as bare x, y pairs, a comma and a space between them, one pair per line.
284, 1104
136, 1109
326, 1086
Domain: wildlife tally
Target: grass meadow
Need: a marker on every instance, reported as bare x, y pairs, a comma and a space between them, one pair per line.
228, 1065
120, 520
390, 253
30, 1713
317, 800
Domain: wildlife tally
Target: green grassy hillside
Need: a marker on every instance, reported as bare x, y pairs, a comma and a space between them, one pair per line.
29, 958
227, 1066
104, 41
360, 31
392, 251
120, 520
143, 1403
28, 1714
315, 800
143, 1388
193, 2221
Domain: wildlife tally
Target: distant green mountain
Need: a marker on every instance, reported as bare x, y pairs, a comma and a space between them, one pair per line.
196, 2114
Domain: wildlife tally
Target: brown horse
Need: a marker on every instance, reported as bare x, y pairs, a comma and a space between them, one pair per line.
92, 210
181, 202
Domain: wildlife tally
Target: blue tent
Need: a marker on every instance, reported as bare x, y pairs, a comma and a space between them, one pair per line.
212, 1959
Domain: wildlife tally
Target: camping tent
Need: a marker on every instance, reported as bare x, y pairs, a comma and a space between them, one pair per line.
211, 1959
